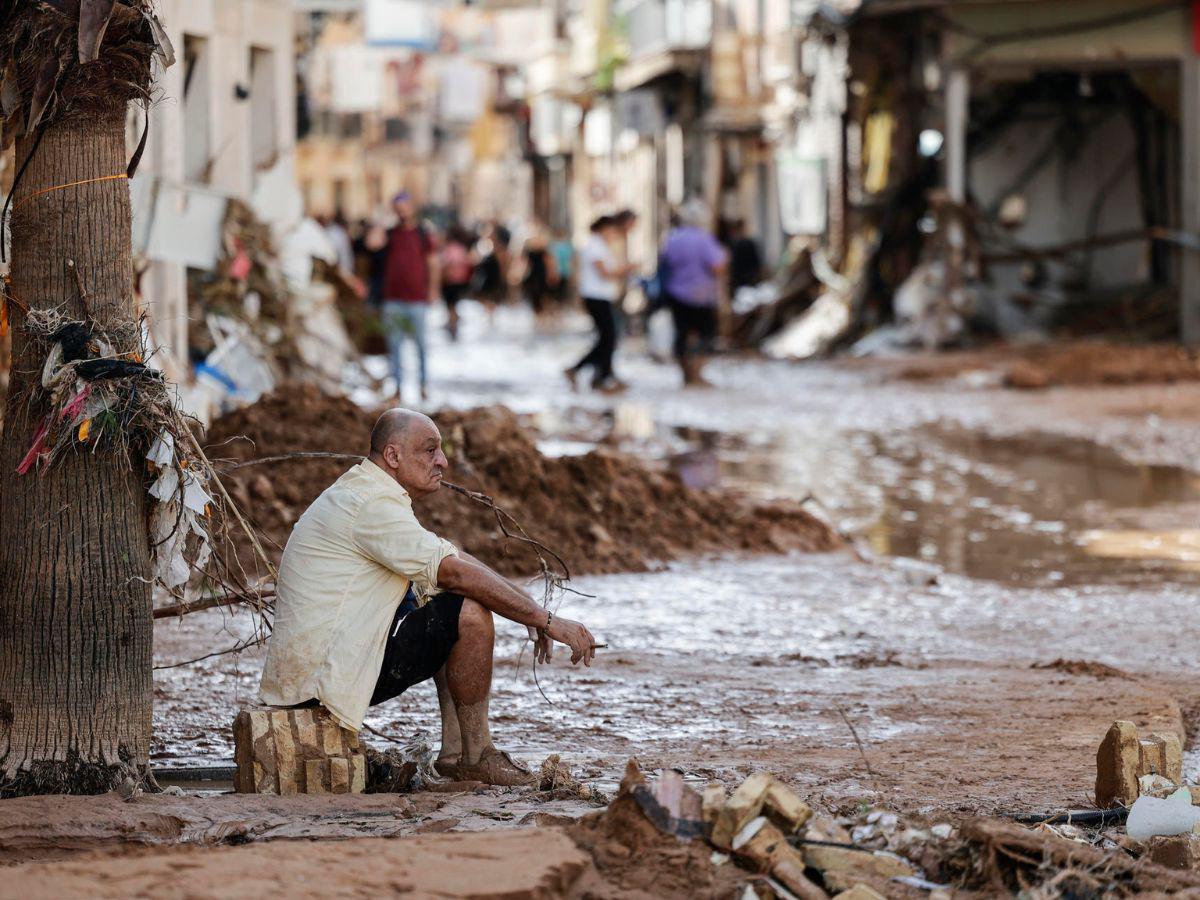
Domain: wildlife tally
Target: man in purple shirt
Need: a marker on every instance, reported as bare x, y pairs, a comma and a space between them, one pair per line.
693, 259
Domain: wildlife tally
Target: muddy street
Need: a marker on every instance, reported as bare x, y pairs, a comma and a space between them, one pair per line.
1026, 577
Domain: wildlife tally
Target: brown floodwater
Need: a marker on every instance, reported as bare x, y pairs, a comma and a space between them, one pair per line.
1033, 509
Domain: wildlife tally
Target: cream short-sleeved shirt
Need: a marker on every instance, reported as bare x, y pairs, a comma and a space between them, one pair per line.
345, 569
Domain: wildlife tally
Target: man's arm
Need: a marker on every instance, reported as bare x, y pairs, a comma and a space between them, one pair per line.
473, 579
541, 642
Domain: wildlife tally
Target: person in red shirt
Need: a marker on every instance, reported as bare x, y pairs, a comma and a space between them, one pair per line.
409, 285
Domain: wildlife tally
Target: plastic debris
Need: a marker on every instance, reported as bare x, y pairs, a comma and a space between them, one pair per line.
1151, 817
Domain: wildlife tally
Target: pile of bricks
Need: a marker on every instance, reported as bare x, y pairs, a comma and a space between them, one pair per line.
296, 751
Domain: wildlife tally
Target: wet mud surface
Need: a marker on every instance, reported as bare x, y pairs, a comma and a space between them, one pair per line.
1027, 576
978, 511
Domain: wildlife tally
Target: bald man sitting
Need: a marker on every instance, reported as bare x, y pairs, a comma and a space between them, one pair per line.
369, 603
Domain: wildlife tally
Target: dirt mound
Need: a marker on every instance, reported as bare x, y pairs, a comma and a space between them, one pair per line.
1095, 362
633, 856
1082, 667
1077, 363
603, 512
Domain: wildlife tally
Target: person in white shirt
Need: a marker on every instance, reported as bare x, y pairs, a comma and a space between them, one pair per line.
370, 603
601, 280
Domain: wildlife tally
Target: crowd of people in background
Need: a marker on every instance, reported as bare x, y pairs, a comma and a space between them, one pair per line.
404, 266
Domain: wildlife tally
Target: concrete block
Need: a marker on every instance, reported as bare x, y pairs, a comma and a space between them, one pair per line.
292, 751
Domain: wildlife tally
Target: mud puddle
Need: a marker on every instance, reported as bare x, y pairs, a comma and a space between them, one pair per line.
1035, 509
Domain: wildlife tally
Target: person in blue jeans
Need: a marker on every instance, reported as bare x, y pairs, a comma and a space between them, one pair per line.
409, 284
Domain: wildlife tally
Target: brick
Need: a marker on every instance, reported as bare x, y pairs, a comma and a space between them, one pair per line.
842, 868
1117, 764
784, 807
740, 809
860, 892
339, 775
711, 801
767, 848
1179, 852
288, 765
358, 773
316, 776
1161, 755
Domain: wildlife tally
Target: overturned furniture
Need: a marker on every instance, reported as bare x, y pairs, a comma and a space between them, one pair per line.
296, 751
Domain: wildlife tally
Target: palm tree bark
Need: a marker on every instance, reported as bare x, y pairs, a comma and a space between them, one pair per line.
75, 613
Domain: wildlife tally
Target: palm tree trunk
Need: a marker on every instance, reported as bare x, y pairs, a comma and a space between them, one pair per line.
75, 617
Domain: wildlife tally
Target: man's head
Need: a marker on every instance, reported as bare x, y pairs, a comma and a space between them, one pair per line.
402, 203
408, 446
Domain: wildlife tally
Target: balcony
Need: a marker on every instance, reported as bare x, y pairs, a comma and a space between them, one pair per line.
664, 37
661, 26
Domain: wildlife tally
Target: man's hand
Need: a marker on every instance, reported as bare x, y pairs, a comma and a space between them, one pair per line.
575, 636
541, 645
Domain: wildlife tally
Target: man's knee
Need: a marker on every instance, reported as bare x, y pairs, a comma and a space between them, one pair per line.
475, 618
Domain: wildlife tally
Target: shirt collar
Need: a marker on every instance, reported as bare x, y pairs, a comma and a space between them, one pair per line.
376, 473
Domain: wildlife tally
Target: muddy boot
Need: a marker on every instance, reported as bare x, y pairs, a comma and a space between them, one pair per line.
448, 769
495, 767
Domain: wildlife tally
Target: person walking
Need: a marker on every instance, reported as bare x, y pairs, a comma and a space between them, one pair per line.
540, 272
456, 274
564, 261
601, 280
409, 284
693, 260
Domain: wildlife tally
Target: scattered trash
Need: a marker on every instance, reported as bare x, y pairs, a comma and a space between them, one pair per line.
1151, 817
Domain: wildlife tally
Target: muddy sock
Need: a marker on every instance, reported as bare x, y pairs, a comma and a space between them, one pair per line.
473, 726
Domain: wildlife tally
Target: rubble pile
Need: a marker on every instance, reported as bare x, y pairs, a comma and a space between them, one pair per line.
602, 512
765, 841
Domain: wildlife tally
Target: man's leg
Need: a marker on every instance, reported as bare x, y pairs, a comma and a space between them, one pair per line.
451, 749
469, 678
393, 330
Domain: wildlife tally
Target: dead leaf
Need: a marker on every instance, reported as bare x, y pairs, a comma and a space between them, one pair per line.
43, 90
68, 8
93, 22
10, 95
162, 41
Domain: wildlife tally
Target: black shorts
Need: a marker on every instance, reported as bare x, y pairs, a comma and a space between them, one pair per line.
420, 646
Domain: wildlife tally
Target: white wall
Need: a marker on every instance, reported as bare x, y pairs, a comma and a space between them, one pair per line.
230, 28
1060, 196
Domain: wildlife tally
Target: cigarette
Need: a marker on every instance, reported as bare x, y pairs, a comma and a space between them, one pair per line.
599, 646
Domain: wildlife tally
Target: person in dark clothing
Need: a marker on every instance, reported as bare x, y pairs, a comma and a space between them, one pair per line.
745, 263
490, 280
456, 274
693, 260
540, 273
601, 278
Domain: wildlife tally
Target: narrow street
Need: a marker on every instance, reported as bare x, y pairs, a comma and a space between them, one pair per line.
980, 648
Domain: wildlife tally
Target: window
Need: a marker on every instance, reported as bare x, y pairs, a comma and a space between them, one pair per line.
197, 141
264, 144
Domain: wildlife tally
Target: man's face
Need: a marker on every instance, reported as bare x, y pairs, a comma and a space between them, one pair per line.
404, 209
417, 459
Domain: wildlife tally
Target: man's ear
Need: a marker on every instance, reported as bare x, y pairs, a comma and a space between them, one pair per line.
391, 456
